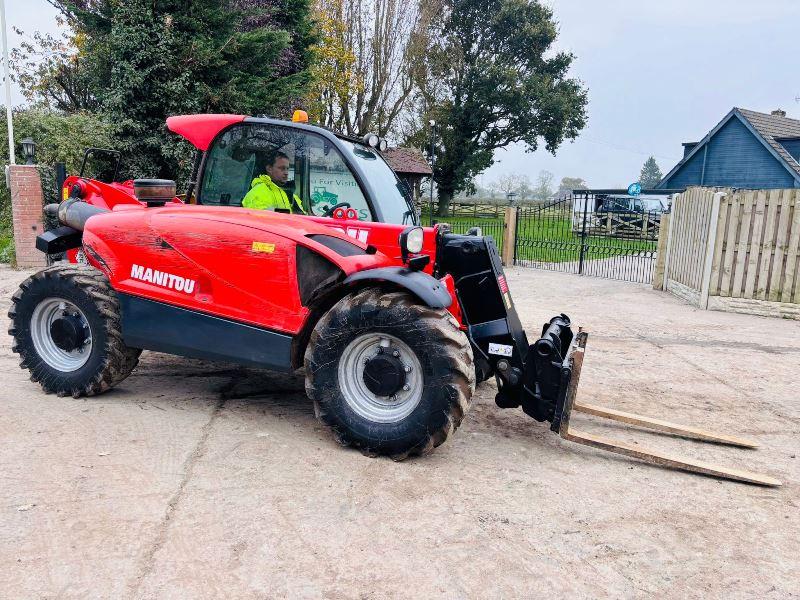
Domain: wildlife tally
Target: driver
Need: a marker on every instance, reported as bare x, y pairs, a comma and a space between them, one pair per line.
266, 192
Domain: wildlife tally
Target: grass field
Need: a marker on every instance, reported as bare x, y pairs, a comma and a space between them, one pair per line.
549, 239
492, 227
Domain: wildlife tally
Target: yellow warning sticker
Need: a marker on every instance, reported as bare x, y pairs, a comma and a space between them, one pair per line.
64, 193
263, 247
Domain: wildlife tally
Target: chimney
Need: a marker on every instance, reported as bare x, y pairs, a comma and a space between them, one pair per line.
778, 113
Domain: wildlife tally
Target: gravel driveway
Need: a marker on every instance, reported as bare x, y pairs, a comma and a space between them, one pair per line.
195, 480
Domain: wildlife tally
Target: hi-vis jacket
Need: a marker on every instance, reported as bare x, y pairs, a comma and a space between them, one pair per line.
264, 194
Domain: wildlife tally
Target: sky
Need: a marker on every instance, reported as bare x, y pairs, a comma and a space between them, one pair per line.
664, 72
659, 73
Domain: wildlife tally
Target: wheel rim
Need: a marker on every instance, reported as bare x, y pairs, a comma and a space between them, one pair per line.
378, 409
47, 312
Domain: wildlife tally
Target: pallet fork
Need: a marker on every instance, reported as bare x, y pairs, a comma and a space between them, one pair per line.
543, 377
574, 361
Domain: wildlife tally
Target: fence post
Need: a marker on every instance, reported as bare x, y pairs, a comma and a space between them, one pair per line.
709, 254
583, 233
659, 272
509, 236
669, 240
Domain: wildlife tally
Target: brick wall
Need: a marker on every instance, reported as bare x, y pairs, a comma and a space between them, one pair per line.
26, 206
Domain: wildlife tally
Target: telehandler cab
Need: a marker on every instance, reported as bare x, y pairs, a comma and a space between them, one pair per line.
393, 322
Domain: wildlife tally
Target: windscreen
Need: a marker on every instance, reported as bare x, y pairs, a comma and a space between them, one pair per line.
392, 194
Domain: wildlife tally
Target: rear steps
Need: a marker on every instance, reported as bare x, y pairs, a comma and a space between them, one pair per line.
650, 456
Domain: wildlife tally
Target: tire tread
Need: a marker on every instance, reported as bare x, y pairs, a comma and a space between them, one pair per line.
119, 360
455, 346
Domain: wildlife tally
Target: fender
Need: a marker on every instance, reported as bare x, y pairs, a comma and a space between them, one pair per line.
425, 287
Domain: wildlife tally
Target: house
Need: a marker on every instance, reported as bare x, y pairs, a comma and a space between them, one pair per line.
747, 149
410, 166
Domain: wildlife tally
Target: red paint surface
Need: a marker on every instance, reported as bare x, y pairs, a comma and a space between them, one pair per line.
200, 130
213, 246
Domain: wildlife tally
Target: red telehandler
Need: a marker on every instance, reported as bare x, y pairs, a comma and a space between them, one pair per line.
393, 322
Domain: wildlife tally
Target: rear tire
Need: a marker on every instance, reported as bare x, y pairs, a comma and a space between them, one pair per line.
439, 373
84, 366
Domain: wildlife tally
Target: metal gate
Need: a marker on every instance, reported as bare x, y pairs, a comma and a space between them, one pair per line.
600, 234
463, 217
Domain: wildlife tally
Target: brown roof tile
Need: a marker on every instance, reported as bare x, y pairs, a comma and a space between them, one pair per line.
407, 161
773, 128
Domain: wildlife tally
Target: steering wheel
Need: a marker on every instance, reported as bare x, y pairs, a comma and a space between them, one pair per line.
329, 211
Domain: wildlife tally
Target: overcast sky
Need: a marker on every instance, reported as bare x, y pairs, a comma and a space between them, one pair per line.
659, 73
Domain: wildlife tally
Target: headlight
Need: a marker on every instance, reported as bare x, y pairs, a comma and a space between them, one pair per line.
411, 241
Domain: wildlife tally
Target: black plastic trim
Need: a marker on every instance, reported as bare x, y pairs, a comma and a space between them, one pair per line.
491, 328
315, 273
428, 289
58, 240
162, 327
338, 245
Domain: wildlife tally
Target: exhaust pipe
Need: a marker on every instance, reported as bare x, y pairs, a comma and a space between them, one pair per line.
73, 212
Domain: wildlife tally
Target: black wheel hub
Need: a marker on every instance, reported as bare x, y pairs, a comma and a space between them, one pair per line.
384, 374
68, 332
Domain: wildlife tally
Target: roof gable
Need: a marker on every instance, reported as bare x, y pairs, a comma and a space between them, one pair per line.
767, 129
773, 127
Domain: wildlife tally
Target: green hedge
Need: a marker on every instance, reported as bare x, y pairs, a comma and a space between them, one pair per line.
58, 138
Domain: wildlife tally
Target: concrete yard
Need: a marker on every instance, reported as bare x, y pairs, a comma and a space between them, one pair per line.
194, 480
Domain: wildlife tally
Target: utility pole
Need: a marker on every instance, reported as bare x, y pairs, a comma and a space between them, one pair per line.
8, 84
432, 123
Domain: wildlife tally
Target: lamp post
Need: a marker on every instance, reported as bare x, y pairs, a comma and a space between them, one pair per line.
7, 83
28, 150
432, 124
510, 197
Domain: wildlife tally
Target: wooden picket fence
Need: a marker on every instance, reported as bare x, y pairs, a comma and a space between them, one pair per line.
735, 250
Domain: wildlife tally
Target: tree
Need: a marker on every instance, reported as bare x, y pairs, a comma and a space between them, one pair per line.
152, 59
524, 188
651, 175
52, 72
513, 183
544, 186
366, 61
493, 79
59, 138
570, 183
507, 184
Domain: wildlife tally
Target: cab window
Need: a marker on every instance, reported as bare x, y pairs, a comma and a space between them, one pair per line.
318, 175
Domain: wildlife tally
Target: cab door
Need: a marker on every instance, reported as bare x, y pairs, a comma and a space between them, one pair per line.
318, 173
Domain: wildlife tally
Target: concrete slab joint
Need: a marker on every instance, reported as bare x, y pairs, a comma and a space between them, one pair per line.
26, 209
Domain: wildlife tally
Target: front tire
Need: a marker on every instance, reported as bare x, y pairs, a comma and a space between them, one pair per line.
65, 321
389, 375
